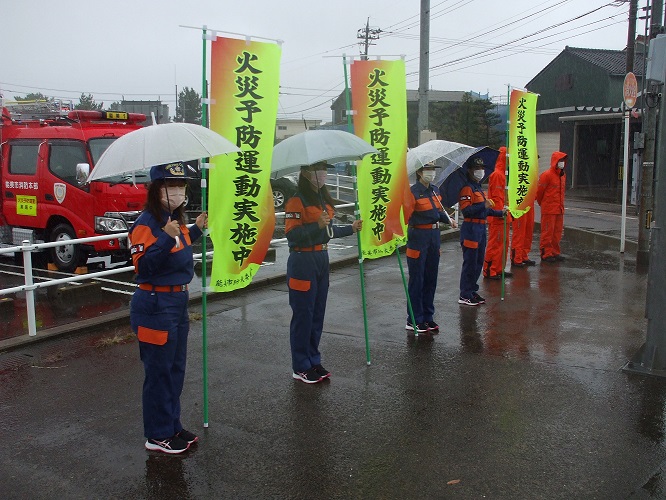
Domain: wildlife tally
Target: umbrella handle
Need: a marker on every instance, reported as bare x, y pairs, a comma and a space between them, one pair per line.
442, 207
177, 242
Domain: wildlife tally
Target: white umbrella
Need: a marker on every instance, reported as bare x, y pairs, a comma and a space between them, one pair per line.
442, 153
159, 144
315, 146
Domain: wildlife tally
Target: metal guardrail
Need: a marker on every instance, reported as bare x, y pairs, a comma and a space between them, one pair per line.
30, 286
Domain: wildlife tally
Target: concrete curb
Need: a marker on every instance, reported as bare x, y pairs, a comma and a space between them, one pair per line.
595, 241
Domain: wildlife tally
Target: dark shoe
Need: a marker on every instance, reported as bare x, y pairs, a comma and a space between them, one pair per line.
507, 274
432, 327
478, 298
518, 264
493, 277
560, 257
420, 328
188, 436
529, 262
468, 302
308, 376
323, 372
551, 259
172, 445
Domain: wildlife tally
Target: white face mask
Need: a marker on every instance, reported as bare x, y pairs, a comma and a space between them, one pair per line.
428, 175
317, 177
478, 174
175, 199
560, 165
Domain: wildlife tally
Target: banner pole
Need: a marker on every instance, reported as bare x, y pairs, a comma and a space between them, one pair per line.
404, 284
506, 185
204, 257
350, 129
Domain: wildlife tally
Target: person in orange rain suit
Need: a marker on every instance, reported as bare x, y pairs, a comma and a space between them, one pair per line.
521, 239
495, 258
550, 196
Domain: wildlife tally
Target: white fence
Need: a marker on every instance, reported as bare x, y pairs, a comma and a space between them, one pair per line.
30, 286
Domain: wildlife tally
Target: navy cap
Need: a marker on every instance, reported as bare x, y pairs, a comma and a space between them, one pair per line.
173, 170
478, 163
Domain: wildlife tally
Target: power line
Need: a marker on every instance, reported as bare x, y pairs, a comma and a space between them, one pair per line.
497, 47
476, 64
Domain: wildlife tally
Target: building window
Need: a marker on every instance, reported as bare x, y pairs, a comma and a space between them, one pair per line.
282, 127
564, 82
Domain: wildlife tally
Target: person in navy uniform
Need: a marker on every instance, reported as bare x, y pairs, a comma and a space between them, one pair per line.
161, 249
423, 250
308, 229
475, 208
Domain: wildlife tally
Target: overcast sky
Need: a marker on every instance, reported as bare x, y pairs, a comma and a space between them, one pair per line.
136, 49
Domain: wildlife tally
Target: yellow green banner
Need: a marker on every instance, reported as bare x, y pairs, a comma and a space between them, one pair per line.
379, 101
244, 89
523, 158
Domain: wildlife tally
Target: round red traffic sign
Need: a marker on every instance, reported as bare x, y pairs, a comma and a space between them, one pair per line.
630, 90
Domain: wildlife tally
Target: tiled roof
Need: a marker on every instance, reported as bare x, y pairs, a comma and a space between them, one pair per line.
613, 61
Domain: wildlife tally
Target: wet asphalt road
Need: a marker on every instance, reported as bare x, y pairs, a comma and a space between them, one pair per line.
521, 398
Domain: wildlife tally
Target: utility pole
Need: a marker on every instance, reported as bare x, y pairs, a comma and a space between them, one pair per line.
649, 130
424, 67
651, 358
631, 36
367, 35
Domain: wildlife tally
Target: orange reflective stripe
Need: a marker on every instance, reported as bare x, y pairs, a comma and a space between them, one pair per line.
150, 336
470, 244
465, 197
140, 240
422, 204
412, 253
299, 285
186, 235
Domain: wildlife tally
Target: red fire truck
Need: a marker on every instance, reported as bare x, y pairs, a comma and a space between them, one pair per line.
44, 160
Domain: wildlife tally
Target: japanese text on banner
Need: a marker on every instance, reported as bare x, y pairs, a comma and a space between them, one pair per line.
244, 93
523, 156
379, 97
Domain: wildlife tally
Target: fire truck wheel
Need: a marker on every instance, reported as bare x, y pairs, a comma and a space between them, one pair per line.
67, 257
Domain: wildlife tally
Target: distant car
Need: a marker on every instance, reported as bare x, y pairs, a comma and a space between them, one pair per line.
343, 168
283, 189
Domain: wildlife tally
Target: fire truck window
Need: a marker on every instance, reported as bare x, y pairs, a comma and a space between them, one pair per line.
64, 157
23, 158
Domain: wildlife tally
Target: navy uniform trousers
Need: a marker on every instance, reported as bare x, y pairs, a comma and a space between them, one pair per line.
423, 264
307, 277
473, 242
164, 323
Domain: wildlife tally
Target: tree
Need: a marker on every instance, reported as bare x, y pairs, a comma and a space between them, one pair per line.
189, 106
38, 96
471, 121
88, 102
115, 106
488, 122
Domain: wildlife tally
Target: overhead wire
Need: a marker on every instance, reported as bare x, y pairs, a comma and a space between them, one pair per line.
477, 64
497, 47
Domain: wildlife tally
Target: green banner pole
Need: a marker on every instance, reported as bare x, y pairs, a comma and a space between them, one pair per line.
404, 284
506, 184
350, 128
204, 257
